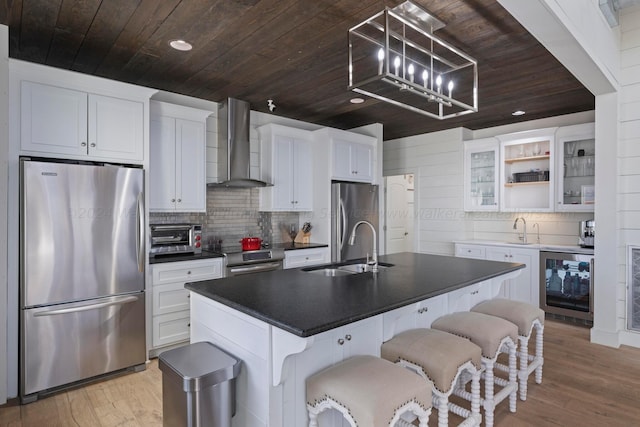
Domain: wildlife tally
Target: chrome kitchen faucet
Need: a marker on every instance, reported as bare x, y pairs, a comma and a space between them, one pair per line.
524, 231
352, 241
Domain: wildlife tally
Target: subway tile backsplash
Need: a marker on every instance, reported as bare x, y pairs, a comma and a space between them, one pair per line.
232, 213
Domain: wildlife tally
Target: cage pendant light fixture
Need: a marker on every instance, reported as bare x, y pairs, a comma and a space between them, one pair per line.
395, 57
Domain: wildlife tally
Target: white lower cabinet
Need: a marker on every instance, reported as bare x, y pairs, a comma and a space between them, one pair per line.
170, 300
306, 257
413, 316
525, 286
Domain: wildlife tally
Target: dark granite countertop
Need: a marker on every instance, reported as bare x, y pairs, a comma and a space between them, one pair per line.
293, 246
306, 304
184, 257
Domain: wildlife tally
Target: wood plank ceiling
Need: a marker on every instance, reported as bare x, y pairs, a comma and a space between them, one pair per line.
291, 51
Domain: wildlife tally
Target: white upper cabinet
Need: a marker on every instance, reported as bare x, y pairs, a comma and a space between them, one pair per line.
526, 171
481, 175
177, 159
286, 162
576, 166
60, 121
352, 161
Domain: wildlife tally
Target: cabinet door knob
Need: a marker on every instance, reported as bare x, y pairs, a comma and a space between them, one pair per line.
340, 341
173, 200
423, 310
179, 200
348, 337
83, 144
93, 144
189, 272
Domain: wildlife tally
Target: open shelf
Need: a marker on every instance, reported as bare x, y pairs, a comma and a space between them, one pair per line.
525, 159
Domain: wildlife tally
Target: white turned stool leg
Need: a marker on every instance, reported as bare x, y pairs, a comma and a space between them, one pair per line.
539, 360
313, 419
513, 374
524, 361
489, 404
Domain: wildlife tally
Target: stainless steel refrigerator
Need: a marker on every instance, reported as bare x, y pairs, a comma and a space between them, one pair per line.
352, 202
82, 299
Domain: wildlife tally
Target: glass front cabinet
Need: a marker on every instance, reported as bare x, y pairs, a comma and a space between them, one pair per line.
481, 175
527, 171
576, 168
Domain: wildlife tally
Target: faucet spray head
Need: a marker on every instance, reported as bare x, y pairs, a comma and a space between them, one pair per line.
352, 238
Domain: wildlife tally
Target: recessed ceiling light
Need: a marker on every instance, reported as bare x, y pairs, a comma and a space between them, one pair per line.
180, 45
517, 113
356, 100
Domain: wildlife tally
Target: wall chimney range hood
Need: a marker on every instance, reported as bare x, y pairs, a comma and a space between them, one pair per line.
233, 146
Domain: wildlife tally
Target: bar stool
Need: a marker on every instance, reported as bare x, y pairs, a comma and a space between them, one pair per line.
494, 336
368, 391
441, 359
527, 318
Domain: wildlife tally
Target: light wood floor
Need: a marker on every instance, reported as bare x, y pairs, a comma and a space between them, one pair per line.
583, 385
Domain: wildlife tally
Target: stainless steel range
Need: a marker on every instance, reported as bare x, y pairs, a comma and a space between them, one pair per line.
246, 262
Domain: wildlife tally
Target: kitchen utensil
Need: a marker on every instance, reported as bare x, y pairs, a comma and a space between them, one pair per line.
251, 243
306, 227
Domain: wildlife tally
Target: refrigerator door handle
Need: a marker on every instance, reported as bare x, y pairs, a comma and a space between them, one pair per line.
342, 233
87, 307
140, 232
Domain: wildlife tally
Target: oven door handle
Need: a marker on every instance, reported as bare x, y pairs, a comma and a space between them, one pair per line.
255, 268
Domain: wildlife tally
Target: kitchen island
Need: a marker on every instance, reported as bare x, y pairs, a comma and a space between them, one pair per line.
286, 325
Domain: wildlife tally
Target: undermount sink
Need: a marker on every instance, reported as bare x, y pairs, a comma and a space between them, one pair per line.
344, 269
360, 268
330, 272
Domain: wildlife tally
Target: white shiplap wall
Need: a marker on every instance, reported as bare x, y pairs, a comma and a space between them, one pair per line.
628, 209
436, 161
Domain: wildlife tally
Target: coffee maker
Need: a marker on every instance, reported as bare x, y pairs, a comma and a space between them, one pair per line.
587, 233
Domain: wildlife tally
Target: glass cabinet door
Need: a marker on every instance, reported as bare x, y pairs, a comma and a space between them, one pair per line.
481, 175
576, 168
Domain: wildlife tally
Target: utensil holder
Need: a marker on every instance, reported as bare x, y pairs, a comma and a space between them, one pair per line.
302, 237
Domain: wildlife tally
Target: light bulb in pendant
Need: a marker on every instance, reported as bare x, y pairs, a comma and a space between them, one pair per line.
396, 64
380, 60
450, 87
410, 70
439, 82
425, 77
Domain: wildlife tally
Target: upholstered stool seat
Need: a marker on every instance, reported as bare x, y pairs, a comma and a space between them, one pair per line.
494, 336
527, 318
368, 391
441, 359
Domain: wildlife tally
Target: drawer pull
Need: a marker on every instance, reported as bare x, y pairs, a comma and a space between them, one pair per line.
340, 341
348, 337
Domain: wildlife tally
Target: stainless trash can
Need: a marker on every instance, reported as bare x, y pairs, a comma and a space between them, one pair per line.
198, 386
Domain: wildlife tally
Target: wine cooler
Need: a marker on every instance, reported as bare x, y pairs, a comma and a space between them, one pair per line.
566, 284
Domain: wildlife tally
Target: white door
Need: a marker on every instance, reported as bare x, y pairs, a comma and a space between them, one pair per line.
399, 213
